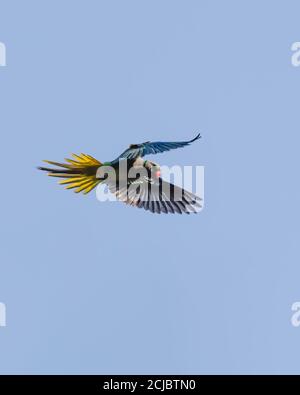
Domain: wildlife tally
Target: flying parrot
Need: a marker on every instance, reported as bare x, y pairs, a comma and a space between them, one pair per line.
144, 188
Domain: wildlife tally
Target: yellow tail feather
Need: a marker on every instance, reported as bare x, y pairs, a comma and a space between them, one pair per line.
79, 173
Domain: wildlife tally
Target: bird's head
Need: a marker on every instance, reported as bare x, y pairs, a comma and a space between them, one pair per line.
153, 167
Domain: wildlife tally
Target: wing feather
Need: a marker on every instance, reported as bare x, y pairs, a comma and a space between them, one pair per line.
157, 196
147, 148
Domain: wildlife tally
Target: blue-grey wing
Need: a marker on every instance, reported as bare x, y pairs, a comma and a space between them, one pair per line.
148, 148
156, 195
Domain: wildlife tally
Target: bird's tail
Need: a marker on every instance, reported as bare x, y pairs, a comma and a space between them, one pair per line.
78, 173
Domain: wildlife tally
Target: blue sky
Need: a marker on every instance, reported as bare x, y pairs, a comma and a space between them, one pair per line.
94, 287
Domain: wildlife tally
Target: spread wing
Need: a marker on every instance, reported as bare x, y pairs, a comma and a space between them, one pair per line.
147, 148
157, 196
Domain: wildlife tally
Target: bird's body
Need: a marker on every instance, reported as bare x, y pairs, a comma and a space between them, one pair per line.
130, 177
